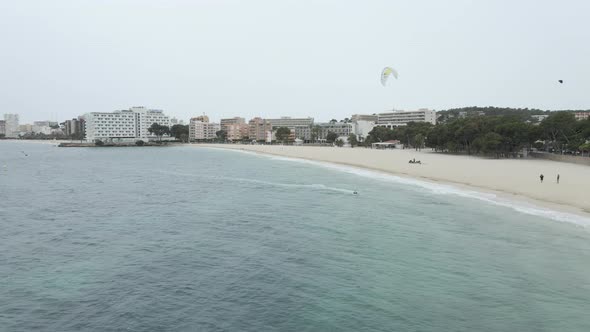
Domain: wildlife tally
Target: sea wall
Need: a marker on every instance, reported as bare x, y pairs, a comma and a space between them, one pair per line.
560, 157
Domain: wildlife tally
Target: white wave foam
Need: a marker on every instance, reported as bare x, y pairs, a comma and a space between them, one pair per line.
440, 189
315, 186
445, 189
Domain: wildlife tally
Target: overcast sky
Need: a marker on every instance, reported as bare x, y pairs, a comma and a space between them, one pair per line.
60, 59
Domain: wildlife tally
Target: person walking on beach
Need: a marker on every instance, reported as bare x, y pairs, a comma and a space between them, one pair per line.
541, 177
557, 178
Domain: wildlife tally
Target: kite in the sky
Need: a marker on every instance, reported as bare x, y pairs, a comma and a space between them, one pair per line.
560, 81
387, 71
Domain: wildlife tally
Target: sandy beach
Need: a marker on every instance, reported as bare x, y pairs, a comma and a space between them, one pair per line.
518, 177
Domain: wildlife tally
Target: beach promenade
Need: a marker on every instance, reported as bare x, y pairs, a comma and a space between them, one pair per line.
518, 177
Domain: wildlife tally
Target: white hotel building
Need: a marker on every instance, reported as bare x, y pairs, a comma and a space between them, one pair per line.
125, 125
200, 129
11, 125
402, 118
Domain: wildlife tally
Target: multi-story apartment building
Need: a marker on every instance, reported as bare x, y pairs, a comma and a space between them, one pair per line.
74, 128
42, 127
236, 128
582, 115
112, 125
202, 118
362, 129
339, 128
199, 130
364, 117
228, 121
45, 123
259, 129
25, 128
236, 131
11, 125
129, 124
301, 126
148, 117
3, 127
402, 118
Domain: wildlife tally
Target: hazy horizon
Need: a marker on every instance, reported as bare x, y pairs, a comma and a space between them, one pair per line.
321, 59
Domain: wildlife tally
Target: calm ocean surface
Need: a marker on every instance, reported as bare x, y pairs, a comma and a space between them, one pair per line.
194, 239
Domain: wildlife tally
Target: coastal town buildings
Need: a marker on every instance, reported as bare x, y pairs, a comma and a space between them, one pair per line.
202, 118
260, 130
123, 125
202, 130
236, 128
25, 128
342, 129
74, 128
402, 118
301, 126
364, 117
43, 127
147, 117
11, 125
582, 115
237, 131
362, 128
229, 121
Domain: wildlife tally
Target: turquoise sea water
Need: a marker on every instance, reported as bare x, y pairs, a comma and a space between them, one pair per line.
194, 239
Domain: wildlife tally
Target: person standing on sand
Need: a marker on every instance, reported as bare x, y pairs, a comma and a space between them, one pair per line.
541, 177
557, 178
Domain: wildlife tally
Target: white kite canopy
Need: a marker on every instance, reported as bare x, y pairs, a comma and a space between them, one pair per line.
387, 71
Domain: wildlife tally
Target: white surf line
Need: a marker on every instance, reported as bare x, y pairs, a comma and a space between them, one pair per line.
435, 188
315, 186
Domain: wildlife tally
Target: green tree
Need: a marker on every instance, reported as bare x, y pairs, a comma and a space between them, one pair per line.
315, 132
418, 141
184, 137
221, 135
339, 143
352, 140
98, 142
538, 145
331, 137
438, 138
178, 130
559, 128
282, 134
489, 143
380, 134
585, 148
158, 130
139, 143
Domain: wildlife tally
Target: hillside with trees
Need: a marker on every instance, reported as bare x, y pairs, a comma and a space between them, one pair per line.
522, 113
502, 135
